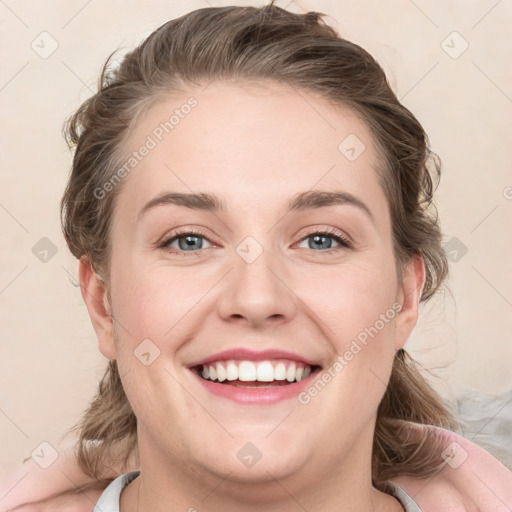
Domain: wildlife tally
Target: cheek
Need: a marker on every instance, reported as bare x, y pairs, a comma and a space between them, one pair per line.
358, 311
149, 302
352, 297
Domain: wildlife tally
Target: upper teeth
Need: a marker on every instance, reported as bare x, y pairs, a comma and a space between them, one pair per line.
262, 371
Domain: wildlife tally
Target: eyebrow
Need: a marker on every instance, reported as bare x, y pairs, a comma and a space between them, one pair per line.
302, 201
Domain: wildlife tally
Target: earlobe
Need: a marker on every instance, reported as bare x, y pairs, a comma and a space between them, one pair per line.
409, 294
95, 298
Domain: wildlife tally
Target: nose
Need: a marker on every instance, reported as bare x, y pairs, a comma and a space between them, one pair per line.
257, 293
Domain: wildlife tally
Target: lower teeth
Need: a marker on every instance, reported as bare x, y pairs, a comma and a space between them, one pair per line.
258, 386
252, 384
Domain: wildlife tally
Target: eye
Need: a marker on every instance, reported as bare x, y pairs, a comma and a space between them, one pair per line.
320, 239
188, 241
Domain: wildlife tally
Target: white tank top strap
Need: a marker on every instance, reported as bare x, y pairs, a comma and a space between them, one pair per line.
407, 502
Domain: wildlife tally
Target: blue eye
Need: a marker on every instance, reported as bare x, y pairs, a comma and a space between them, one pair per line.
187, 241
191, 241
321, 238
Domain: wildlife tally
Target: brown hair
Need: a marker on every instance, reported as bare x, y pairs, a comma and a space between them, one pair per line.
259, 44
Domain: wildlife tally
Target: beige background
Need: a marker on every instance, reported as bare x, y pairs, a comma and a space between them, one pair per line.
49, 362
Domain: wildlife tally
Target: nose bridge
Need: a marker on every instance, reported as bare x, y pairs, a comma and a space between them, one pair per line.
257, 289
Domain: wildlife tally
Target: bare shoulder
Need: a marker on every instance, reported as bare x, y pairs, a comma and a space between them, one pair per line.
433, 494
472, 480
61, 486
71, 501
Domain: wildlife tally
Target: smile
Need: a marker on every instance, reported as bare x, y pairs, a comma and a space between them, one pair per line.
255, 382
256, 371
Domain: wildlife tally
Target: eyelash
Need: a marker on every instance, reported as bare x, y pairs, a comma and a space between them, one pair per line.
344, 242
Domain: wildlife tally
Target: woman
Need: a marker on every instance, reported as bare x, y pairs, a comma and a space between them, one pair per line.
251, 208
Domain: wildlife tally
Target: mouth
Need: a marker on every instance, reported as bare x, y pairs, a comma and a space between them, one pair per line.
261, 382
252, 373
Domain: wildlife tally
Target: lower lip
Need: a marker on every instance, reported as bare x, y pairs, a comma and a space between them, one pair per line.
257, 395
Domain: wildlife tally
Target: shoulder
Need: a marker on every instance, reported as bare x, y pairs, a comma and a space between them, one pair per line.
472, 480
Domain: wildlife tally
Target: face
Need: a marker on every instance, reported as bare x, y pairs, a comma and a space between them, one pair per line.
318, 281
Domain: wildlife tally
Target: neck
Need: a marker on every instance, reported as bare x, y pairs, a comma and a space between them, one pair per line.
131, 501
318, 486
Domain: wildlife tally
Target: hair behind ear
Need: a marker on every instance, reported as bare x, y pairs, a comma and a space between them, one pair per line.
108, 429
408, 398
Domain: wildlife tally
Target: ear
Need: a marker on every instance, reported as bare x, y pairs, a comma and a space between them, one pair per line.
409, 294
95, 298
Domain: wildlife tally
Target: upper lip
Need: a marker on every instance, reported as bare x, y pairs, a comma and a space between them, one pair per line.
253, 355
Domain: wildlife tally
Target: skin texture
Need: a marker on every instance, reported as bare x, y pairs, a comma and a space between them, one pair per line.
255, 147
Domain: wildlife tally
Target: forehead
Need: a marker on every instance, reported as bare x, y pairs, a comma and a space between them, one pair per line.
251, 144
